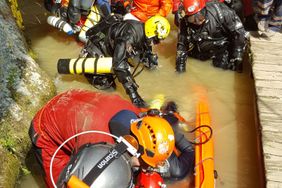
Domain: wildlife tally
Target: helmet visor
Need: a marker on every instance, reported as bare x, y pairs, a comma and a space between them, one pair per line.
196, 19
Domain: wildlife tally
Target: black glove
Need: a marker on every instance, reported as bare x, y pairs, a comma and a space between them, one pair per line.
236, 65
181, 58
168, 110
150, 60
62, 12
236, 60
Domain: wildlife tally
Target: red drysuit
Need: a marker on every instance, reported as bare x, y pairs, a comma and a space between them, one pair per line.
67, 114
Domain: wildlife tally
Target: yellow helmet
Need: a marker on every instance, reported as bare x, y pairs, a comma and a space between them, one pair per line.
155, 137
157, 26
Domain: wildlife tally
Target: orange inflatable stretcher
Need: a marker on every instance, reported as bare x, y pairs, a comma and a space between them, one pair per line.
204, 153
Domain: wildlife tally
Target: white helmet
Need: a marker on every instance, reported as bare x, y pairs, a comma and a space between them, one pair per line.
117, 175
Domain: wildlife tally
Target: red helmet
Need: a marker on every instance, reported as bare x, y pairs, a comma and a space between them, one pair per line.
149, 180
193, 6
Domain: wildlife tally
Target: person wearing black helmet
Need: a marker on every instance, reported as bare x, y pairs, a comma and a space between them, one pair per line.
211, 30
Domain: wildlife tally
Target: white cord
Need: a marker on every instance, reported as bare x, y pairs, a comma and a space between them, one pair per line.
78, 134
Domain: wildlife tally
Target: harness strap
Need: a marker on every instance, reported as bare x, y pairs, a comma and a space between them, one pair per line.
113, 154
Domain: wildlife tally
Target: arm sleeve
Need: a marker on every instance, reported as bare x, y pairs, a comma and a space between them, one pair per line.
120, 57
74, 11
182, 42
165, 7
235, 29
181, 165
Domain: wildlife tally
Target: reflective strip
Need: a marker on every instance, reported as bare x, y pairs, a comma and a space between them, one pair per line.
265, 4
277, 18
278, 23
238, 25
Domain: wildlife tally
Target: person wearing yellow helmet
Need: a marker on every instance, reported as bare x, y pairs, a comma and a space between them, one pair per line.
125, 39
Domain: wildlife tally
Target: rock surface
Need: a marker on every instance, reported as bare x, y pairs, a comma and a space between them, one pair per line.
24, 88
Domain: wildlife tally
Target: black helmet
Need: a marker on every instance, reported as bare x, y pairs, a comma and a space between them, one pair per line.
117, 175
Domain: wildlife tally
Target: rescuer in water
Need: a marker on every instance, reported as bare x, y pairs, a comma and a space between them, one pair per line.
124, 40
139, 138
211, 30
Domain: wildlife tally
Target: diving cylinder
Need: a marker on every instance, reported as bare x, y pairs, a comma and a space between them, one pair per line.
101, 65
60, 24
92, 19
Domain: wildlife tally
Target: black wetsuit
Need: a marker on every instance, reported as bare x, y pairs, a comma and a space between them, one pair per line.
77, 8
121, 40
221, 37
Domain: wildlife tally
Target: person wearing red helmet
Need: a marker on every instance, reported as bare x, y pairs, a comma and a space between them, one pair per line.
211, 30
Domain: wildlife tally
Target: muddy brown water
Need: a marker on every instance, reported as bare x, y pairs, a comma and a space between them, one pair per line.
230, 97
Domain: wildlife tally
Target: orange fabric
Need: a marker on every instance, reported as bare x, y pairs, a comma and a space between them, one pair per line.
65, 3
75, 182
67, 114
144, 9
204, 153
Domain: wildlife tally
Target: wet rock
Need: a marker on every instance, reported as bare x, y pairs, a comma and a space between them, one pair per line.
24, 88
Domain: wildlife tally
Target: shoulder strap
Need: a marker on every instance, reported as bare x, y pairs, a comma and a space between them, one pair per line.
113, 154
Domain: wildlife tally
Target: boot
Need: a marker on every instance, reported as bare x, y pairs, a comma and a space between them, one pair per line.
128, 82
236, 65
181, 62
237, 60
180, 67
135, 98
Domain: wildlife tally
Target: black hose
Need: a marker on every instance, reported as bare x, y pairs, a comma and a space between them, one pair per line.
134, 74
210, 136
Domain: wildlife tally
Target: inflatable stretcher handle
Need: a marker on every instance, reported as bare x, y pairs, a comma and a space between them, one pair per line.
75, 182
